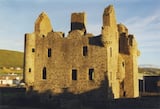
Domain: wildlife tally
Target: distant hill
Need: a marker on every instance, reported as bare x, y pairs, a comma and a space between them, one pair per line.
149, 66
10, 58
149, 71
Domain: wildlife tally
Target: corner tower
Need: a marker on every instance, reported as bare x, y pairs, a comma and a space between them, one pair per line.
110, 42
128, 63
42, 28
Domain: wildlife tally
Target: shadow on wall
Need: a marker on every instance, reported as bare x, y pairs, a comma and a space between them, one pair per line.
17, 98
96, 40
93, 99
78, 26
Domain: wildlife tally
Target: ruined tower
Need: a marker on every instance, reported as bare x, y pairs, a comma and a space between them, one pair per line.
110, 42
128, 67
78, 21
42, 28
91, 67
43, 24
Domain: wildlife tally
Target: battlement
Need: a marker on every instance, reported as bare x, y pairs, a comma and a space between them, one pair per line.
43, 24
122, 29
78, 21
109, 18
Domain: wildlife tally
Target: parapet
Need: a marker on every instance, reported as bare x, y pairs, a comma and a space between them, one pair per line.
43, 24
78, 21
109, 18
122, 29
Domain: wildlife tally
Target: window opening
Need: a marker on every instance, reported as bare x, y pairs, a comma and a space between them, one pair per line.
74, 74
49, 52
44, 75
43, 36
123, 64
85, 51
33, 50
91, 74
124, 93
29, 69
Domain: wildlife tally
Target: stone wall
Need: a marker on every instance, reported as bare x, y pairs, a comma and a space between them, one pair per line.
82, 62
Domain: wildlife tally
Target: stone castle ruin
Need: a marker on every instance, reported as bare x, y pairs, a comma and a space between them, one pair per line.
81, 62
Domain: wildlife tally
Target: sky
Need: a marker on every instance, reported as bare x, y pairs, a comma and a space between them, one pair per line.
142, 18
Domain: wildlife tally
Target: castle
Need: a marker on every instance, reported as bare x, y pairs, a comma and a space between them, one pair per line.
81, 62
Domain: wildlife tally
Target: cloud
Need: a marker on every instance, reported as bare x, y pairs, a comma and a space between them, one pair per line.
139, 24
16, 45
145, 28
133, 1
95, 29
151, 43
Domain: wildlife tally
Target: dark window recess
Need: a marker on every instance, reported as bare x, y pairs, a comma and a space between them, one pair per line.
33, 50
85, 51
49, 52
74, 74
91, 74
63, 35
43, 36
123, 64
29, 69
124, 93
44, 73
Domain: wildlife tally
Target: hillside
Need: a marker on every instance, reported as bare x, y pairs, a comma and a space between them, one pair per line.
11, 58
149, 71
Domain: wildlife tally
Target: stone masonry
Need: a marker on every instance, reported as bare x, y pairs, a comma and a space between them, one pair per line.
81, 62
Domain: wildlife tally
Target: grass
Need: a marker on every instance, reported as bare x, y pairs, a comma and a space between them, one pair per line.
6, 71
11, 58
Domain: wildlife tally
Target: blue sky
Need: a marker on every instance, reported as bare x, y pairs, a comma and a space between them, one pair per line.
142, 17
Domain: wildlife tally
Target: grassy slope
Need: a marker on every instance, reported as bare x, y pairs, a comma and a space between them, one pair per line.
11, 58
149, 71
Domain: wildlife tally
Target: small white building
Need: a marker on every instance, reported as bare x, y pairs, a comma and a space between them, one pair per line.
9, 80
6, 81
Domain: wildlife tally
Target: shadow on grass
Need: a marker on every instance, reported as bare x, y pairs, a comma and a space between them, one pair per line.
17, 98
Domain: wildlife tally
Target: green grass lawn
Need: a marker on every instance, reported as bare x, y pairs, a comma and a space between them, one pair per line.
7, 71
11, 58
